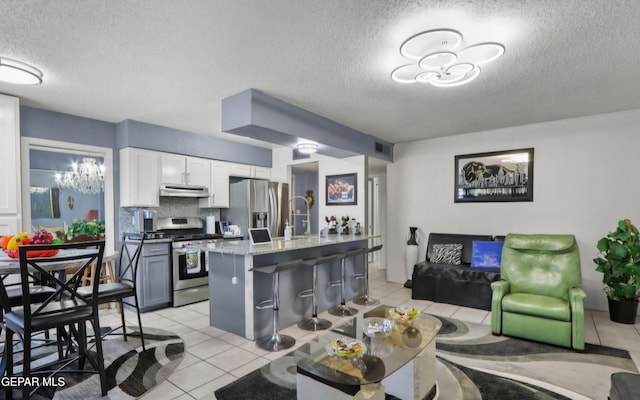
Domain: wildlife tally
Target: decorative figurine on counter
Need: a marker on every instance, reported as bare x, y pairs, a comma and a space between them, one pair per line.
345, 225
332, 224
357, 230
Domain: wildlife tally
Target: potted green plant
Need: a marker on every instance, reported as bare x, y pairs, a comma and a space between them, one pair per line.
619, 261
85, 230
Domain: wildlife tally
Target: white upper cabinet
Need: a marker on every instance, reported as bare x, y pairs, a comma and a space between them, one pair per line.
240, 170
177, 169
198, 172
218, 187
174, 168
261, 173
249, 171
10, 194
139, 178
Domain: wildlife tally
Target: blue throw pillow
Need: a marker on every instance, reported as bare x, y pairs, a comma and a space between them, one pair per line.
486, 254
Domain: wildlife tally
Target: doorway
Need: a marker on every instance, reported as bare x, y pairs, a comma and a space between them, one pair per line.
304, 183
377, 208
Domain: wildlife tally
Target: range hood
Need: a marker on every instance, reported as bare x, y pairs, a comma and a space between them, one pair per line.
177, 190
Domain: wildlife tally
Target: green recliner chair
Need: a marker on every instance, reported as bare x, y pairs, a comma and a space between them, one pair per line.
539, 297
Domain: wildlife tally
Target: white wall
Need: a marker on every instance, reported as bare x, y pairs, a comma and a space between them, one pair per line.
282, 158
585, 180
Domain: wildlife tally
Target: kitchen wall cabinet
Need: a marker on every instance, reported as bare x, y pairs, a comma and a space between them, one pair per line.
218, 186
261, 173
177, 169
249, 171
10, 179
139, 177
240, 170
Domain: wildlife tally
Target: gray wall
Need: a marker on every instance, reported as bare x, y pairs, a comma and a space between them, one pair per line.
51, 125
154, 137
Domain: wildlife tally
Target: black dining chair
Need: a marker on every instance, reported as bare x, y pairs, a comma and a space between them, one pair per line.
63, 308
124, 290
12, 297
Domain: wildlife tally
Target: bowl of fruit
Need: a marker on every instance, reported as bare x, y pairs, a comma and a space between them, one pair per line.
345, 347
404, 315
10, 243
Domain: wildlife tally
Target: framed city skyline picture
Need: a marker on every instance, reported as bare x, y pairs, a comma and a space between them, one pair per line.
494, 176
342, 189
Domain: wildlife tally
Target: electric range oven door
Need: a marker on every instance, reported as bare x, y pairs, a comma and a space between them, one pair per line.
190, 276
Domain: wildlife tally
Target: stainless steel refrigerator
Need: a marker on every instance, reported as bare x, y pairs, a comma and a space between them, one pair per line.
255, 203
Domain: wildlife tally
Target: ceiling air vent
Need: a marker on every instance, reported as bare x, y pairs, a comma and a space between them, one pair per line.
382, 148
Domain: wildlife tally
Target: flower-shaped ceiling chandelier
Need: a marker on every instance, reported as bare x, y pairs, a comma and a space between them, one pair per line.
437, 60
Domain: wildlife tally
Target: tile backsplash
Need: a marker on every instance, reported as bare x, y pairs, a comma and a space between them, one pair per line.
169, 207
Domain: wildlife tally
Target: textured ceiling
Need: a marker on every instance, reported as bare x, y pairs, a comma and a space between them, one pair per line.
170, 62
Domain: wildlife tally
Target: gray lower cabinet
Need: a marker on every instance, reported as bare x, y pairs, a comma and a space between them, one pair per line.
153, 282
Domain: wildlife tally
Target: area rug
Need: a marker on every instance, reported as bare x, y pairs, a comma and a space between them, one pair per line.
472, 364
130, 371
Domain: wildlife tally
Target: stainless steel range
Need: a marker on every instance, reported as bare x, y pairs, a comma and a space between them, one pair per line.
190, 258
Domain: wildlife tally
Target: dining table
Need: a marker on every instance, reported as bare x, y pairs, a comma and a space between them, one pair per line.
10, 265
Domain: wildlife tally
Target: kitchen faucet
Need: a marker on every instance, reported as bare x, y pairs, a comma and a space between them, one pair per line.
308, 220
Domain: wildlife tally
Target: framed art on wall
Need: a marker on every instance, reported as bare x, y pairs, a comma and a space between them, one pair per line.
494, 176
342, 189
45, 202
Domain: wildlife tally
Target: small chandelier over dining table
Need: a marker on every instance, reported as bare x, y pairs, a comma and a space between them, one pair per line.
87, 177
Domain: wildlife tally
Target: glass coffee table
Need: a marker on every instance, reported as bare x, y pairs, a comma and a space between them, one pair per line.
343, 363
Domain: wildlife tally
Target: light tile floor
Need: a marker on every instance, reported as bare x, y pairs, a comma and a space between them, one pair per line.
215, 358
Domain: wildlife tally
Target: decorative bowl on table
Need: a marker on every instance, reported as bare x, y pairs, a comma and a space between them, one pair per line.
376, 327
32, 253
345, 347
404, 315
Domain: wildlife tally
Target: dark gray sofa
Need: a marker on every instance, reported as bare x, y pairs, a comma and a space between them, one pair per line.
455, 284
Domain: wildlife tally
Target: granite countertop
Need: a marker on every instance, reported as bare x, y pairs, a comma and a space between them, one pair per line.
244, 247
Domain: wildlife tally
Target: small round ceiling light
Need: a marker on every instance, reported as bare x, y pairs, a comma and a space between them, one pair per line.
431, 41
307, 148
438, 60
19, 73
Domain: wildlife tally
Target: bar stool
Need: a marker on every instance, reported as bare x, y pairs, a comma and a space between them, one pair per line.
106, 275
342, 310
275, 341
365, 300
315, 323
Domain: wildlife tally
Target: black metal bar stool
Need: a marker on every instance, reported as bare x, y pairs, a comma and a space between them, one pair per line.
365, 300
275, 341
315, 323
342, 310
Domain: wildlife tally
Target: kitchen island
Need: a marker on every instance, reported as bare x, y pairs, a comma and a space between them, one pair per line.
234, 290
